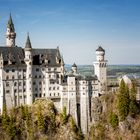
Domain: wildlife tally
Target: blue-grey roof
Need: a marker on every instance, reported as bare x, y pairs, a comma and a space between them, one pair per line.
100, 49
16, 55
13, 54
28, 43
50, 57
10, 24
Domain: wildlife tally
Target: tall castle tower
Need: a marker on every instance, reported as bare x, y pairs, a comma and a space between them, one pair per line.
28, 61
10, 33
100, 66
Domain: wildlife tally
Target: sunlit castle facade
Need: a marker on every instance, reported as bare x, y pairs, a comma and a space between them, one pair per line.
27, 74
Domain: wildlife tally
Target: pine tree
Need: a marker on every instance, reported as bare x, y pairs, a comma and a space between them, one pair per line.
133, 104
114, 120
5, 117
64, 116
123, 100
40, 120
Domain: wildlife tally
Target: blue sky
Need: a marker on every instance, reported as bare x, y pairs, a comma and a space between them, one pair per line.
77, 27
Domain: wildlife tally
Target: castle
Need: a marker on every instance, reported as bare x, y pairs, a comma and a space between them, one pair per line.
27, 74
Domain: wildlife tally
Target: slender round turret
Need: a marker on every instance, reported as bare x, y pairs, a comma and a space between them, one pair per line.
10, 33
28, 61
100, 52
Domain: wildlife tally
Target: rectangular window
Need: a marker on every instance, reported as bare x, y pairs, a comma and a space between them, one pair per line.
7, 91
19, 77
13, 77
19, 83
7, 70
7, 84
13, 70
7, 77
15, 84
37, 69
24, 83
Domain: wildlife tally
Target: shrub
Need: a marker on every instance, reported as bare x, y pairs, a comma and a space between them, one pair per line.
113, 119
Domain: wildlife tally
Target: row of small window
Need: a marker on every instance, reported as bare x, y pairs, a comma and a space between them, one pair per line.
34, 83
53, 88
20, 97
13, 70
72, 94
39, 95
36, 89
15, 90
15, 84
24, 70
20, 77
13, 77
77, 94
50, 76
52, 82
54, 94
49, 69
39, 76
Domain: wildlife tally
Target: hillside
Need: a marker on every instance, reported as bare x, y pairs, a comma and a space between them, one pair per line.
120, 117
40, 121
114, 70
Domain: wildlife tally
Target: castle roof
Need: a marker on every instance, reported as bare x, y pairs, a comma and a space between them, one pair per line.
28, 43
10, 24
13, 54
49, 57
74, 65
100, 49
16, 55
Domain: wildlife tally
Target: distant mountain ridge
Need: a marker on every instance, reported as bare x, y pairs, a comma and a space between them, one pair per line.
119, 69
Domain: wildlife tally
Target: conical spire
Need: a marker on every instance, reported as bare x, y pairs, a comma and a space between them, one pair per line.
100, 49
10, 24
74, 65
28, 43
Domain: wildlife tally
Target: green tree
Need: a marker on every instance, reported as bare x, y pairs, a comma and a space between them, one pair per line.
133, 107
64, 116
11, 128
40, 121
5, 117
114, 120
123, 100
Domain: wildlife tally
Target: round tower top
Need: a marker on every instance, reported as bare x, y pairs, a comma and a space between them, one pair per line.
74, 65
100, 49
